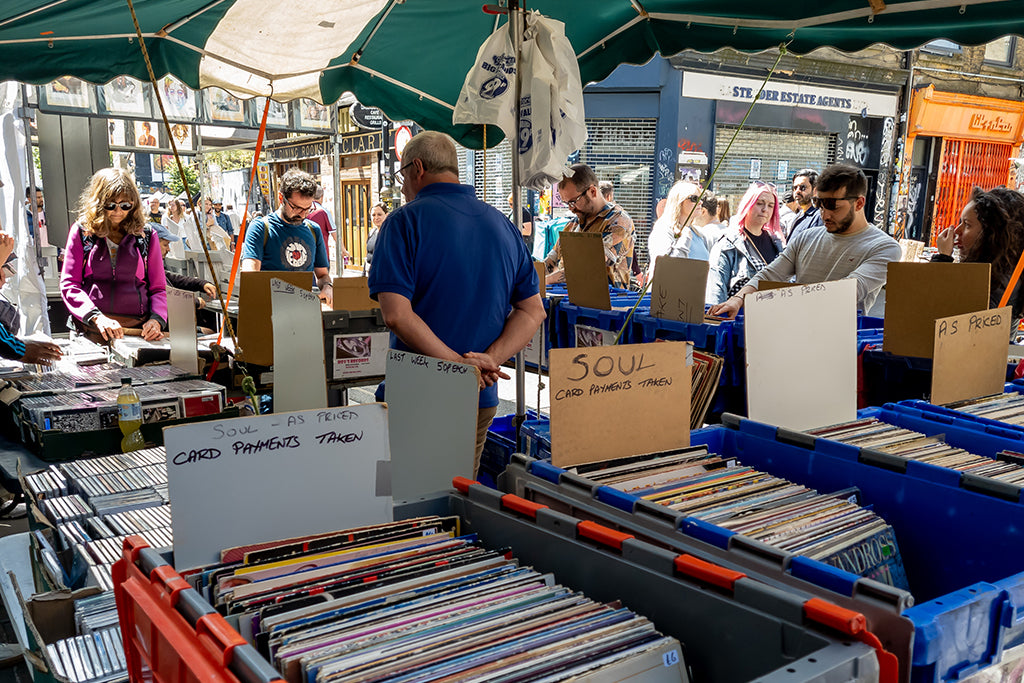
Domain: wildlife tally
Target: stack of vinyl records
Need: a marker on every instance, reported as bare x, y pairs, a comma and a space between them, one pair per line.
1008, 407
705, 373
413, 601
718, 490
881, 436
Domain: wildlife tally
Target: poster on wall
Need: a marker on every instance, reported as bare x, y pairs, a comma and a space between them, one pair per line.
313, 115
67, 94
182, 134
144, 134
179, 99
124, 95
115, 133
224, 107
276, 117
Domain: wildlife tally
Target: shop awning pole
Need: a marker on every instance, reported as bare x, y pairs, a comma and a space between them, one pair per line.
516, 22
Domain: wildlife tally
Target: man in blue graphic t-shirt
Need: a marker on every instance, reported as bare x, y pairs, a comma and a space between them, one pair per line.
285, 240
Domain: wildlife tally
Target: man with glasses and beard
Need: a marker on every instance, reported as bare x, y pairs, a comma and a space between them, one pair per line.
593, 213
285, 240
807, 214
845, 246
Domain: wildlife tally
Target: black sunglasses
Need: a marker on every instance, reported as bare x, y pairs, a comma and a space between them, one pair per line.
125, 206
829, 203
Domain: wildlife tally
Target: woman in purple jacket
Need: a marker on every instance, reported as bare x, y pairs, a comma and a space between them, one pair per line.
113, 276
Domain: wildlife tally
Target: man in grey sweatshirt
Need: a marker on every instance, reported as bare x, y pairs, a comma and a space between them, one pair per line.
845, 246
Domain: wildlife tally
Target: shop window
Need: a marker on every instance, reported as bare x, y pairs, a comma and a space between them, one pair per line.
942, 47
1000, 51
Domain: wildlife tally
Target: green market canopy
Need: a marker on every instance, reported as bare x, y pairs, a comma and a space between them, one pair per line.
409, 57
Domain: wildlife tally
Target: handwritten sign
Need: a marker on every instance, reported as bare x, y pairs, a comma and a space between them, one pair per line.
917, 294
678, 289
616, 401
300, 381
970, 355
181, 323
586, 272
238, 481
432, 412
802, 354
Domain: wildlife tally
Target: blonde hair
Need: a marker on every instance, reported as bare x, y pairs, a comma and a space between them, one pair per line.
680, 192
103, 187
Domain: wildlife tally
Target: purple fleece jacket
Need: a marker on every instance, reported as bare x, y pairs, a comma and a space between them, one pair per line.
133, 288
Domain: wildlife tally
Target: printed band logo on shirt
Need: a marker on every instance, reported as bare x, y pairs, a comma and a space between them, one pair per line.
296, 254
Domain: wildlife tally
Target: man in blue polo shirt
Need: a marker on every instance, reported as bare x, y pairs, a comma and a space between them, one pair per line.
285, 240
452, 274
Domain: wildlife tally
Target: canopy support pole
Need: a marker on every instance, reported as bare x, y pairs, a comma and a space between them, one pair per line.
515, 18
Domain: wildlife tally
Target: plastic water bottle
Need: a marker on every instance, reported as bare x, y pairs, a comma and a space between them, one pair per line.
129, 417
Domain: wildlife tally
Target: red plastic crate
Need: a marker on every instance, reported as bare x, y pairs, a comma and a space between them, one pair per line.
170, 633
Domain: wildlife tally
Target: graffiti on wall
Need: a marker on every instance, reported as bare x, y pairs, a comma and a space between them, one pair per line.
888, 131
666, 172
913, 201
856, 149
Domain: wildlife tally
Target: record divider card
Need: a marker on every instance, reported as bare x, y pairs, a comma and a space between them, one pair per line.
970, 355
255, 479
181, 324
616, 401
586, 271
300, 378
432, 414
678, 289
801, 347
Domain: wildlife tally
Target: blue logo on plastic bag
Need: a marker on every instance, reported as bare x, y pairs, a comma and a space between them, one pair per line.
494, 87
525, 135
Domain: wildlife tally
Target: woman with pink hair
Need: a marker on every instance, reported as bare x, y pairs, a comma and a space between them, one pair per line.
752, 242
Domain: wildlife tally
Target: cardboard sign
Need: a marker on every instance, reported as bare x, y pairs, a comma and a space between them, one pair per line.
255, 328
918, 294
678, 289
586, 272
181, 323
802, 354
228, 479
765, 285
542, 273
353, 294
432, 415
616, 401
300, 382
970, 355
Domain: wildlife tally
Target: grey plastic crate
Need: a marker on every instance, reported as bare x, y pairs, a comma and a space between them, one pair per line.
882, 605
733, 628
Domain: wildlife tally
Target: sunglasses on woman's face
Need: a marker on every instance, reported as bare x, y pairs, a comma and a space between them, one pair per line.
124, 206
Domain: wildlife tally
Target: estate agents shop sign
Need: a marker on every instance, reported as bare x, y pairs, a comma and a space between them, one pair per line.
717, 87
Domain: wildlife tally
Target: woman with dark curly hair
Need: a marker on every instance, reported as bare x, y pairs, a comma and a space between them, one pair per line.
113, 276
991, 230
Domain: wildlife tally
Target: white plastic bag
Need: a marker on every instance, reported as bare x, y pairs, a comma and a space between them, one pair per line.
488, 93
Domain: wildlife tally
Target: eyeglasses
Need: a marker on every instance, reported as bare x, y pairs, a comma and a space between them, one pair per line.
829, 203
693, 198
571, 203
124, 206
298, 208
397, 178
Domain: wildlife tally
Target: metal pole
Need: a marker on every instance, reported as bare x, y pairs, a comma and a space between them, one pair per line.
516, 23
31, 168
339, 232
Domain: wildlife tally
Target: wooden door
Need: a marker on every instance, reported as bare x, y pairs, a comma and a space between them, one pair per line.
354, 220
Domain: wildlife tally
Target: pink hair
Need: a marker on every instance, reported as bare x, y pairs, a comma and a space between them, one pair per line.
747, 204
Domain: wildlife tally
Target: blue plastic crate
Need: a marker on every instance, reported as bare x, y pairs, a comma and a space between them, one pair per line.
962, 549
568, 315
537, 438
499, 447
